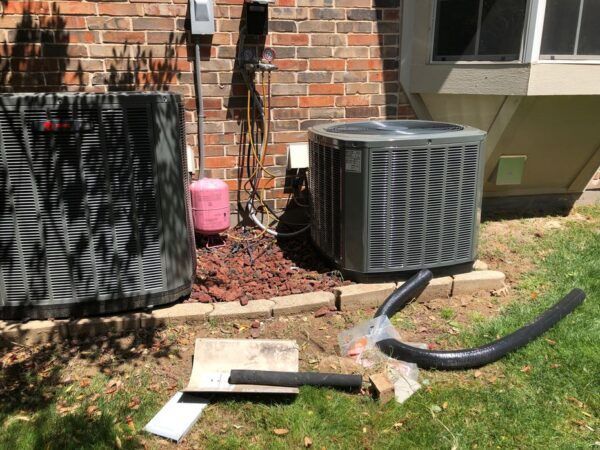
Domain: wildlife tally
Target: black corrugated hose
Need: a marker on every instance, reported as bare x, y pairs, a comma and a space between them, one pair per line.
474, 357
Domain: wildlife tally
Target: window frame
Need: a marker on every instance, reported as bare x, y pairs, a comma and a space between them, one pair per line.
476, 59
571, 57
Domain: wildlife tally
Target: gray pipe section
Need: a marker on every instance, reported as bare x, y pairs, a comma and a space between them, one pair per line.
200, 111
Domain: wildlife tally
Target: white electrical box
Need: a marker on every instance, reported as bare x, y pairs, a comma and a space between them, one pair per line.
298, 156
202, 16
191, 160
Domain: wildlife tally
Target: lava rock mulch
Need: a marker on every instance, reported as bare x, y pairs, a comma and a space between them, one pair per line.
243, 270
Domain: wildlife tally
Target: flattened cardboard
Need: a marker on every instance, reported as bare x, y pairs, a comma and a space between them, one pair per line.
215, 358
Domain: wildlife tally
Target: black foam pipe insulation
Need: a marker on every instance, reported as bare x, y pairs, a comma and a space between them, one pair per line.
474, 357
295, 379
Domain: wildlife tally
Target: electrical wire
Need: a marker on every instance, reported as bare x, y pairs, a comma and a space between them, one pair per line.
259, 169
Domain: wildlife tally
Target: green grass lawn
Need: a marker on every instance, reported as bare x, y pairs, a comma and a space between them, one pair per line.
543, 396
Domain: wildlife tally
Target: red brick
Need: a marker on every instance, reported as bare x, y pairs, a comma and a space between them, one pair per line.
154, 23
352, 100
363, 39
365, 64
153, 9
21, 7
292, 64
331, 89
220, 162
75, 8
322, 100
327, 64
119, 9
137, 37
289, 39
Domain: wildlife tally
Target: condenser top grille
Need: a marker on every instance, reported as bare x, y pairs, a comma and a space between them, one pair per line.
394, 128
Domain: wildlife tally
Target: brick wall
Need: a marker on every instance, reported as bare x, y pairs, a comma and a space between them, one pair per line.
338, 59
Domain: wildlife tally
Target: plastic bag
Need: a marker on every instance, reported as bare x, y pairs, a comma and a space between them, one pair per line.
356, 341
359, 343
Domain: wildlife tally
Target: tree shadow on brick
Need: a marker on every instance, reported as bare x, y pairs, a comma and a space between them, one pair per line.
133, 68
36, 54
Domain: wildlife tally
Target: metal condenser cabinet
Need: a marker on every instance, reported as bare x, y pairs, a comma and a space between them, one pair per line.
94, 204
396, 196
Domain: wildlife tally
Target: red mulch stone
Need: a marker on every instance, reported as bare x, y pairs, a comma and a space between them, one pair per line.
261, 269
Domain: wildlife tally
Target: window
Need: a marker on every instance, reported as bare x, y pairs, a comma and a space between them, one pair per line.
479, 30
571, 29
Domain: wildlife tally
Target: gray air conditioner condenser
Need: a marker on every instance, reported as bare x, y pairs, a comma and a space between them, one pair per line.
94, 204
396, 196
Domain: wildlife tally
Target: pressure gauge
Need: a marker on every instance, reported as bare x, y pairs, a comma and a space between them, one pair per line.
248, 54
269, 54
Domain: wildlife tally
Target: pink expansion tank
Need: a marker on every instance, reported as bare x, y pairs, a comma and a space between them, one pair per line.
210, 206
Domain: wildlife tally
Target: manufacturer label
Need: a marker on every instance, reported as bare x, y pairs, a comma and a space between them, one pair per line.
354, 161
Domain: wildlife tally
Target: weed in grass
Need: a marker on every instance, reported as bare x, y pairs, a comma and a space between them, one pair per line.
447, 313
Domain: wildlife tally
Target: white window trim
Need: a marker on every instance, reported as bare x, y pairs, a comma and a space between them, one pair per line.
561, 59
520, 60
530, 49
533, 34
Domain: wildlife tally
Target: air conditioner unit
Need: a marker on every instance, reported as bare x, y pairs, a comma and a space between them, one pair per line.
94, 204
396, 196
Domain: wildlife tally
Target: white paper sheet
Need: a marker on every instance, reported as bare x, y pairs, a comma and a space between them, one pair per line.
177, 417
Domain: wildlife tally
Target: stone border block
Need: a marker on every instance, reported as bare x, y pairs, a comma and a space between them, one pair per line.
255, 309
296, 304
35, 332
480, 265
98, 326
180, 313
482, 280
438, 288
358, 296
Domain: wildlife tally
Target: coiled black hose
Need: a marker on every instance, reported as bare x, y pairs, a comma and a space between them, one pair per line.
475, 357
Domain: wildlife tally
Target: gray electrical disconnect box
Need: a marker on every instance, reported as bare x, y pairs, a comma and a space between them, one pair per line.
202, 16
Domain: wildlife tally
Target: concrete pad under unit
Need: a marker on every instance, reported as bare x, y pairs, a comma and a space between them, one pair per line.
180, 313
35, 332
296, 304
483, 280
255, 309
358, 296
98, 326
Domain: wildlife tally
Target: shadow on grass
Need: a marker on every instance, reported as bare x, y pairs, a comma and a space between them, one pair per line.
38, 384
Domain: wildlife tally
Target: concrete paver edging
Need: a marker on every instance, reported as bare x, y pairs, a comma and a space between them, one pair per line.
345, 298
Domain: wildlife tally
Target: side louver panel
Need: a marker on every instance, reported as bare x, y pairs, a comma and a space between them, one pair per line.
422, 207
326, 188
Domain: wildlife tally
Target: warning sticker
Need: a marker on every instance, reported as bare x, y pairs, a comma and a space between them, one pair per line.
354, 161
